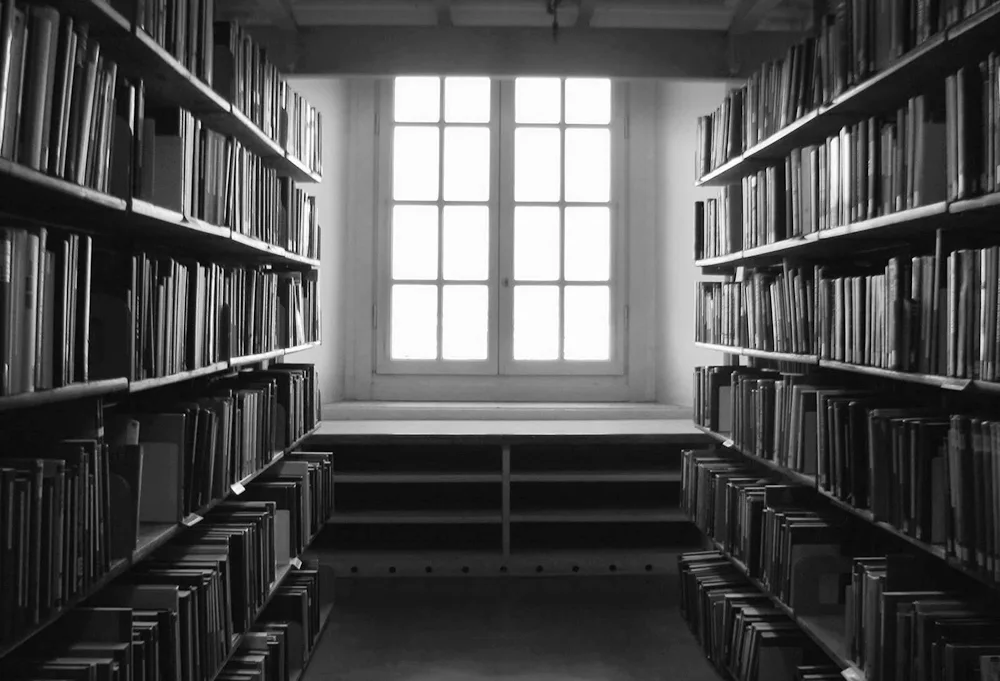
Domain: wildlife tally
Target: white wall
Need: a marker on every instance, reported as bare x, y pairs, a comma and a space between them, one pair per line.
329, 95
680, 104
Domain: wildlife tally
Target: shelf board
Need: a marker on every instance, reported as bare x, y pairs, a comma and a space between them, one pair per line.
597, 476
168, 82
151, 537
603, 515
763, 354
416, 517
74, 391
904, 224
796, 476
304, 346
161, 381
305, 175
414, 478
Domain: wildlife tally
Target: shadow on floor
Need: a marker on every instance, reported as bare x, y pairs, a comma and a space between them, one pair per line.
508, 629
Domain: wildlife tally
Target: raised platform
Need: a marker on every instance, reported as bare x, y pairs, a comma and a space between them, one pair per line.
498, 496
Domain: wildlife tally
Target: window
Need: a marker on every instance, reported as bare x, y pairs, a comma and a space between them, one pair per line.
499, 235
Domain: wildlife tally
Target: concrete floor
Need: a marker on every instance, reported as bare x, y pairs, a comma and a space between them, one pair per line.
619, 628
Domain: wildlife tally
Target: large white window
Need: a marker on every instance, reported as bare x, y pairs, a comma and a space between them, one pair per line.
500, 243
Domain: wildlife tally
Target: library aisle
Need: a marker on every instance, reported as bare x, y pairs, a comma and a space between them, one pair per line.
614, 628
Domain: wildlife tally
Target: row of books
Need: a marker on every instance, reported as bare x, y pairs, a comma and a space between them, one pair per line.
765, 311
156, 316
151, 463
186, 167
718, 224
899, 623
793, 548
743, 633
973, 133
855, 40
931, 474
44, 309
184, 28
874, 167
57, 100
245, 77
271, 310
56, 506
286, 632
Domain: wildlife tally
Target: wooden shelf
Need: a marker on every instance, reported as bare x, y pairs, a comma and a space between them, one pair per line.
609, 515
883, 92
825, 630
596, 476
416, 517
901, 225
795, 476
151, 383
256, 358
933, 550
74, 391
762, 354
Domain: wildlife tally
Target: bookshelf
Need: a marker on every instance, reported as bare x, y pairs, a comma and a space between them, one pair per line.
852, 231
141, 411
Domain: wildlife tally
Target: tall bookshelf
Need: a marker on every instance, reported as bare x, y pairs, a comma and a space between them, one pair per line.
831, 191
200, 319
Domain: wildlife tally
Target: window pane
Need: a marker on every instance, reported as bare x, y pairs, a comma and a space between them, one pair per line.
417, 99
588, 244
467, 100
588, 323
536, 164
537, 100
414, 242
414, 322
536, 322
465, 324
536, 243
415, 164
466, 243
588, 100
588, 165
466, 164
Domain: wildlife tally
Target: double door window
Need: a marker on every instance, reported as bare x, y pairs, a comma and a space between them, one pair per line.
500, 235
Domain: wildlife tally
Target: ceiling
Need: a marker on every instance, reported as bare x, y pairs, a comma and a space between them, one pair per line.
739, 16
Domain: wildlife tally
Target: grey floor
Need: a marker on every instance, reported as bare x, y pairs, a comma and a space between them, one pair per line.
620, 628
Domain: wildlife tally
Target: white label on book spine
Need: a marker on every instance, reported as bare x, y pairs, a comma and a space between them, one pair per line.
853, 674
295, 563
193, 520
238, 488
958, 384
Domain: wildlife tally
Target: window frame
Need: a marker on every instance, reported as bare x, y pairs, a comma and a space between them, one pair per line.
500, 361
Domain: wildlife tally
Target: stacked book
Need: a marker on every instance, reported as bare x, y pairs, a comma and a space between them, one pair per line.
744, 635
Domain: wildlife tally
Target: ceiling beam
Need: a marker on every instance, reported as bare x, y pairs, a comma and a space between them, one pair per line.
749, 13
623, 53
